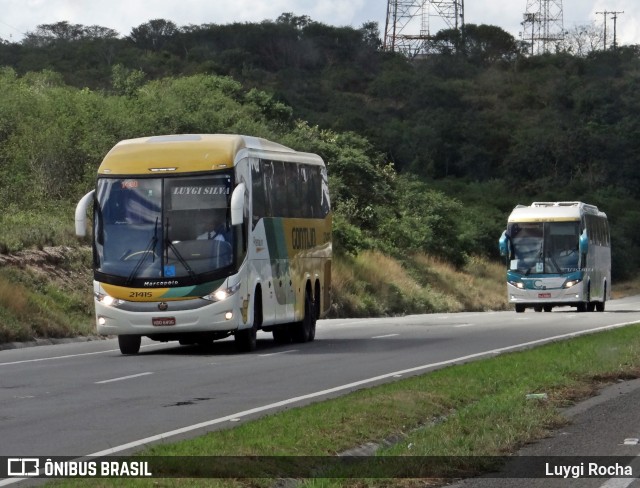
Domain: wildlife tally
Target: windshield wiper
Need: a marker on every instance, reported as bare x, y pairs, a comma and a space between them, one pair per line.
148, 250
169, 245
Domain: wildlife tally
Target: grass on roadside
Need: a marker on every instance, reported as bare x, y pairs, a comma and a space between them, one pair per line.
374, 284
476, 409
48, 295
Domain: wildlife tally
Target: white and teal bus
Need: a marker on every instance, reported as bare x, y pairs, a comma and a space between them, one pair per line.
199, 237
558, 254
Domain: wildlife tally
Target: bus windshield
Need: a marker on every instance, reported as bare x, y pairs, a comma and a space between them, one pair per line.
163, 228
544, 247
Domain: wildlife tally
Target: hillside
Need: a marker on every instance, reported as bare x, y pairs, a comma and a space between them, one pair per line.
457, 127
426, 157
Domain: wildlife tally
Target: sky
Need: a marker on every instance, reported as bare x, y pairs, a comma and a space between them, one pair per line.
20, 16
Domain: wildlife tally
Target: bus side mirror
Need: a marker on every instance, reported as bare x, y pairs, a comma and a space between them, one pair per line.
81, 213
503, 244
237, 205
584, 242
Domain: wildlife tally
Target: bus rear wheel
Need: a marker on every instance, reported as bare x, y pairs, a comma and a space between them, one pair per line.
305, 331
129, 344
600, 305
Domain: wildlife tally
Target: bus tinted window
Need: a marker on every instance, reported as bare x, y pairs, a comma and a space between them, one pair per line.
289, 190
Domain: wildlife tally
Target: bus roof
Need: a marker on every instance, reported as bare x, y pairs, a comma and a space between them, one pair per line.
184, 153
553, 212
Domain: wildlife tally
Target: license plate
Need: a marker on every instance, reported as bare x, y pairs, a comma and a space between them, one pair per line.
163, 321
544, 295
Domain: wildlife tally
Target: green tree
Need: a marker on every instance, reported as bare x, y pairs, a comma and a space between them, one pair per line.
153, 35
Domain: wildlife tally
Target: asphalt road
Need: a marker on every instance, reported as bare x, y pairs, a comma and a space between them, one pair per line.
86, 398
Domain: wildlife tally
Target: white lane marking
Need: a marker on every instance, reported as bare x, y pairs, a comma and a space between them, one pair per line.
122, 378
623, 482
348, 386
58, 357
72, 356
618, 483
277, 353
463, 325
349, 323
385, 336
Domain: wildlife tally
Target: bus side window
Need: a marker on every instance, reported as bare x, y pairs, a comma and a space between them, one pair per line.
315, 193
278, 193
257, 183
294, 185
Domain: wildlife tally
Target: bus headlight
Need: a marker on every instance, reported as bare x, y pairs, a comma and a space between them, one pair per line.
108, 300
222, 293
570, 283
517, 284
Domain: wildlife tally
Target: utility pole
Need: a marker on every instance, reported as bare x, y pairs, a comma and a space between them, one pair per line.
615, 21
605, 26
614, 16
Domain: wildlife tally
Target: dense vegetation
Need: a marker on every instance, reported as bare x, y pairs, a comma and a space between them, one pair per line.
425, 155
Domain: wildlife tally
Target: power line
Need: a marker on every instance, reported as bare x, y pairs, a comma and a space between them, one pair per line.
12, 27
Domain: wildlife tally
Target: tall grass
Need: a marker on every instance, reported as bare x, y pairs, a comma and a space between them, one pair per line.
46, 295
373, 284
24, 228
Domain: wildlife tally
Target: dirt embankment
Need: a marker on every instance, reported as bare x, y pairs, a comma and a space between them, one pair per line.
45, 294
53, 263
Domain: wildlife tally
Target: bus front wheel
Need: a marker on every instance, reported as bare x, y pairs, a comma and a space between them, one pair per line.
246, 339
129, 344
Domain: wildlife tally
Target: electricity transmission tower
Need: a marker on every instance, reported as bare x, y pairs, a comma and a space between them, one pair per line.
543, 25
409, 23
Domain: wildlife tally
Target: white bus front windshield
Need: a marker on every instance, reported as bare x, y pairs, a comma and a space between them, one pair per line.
176, 230
544, 247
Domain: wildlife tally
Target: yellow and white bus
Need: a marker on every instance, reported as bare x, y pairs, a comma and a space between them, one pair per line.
558, 254
199, 237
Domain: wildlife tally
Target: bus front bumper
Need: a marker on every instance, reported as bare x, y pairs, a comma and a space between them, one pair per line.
556, 297
210, 317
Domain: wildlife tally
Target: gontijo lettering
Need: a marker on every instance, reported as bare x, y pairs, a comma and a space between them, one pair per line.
303, 237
